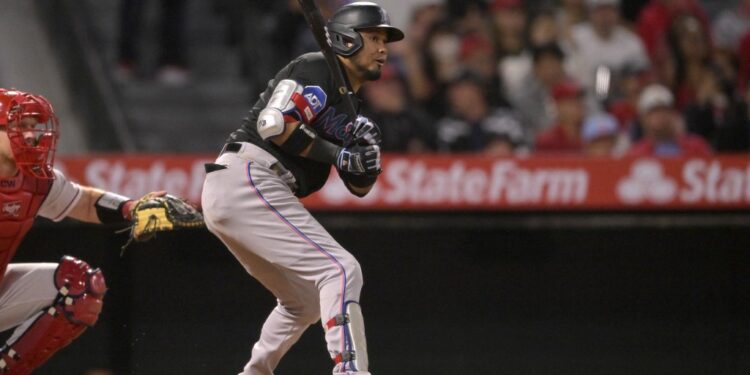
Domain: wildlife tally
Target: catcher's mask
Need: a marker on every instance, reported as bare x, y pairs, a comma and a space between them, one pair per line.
343, 28
32, 128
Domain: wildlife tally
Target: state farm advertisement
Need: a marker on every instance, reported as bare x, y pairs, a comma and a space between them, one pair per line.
135, 175
450, 182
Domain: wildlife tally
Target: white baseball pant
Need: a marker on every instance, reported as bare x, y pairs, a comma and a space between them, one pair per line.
25, 291
252, 209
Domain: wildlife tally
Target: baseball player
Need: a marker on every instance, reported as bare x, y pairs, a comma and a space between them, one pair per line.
50, 304
284, 150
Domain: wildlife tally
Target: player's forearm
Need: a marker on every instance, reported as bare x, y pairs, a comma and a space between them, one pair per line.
84, 210
315, 148
289, 128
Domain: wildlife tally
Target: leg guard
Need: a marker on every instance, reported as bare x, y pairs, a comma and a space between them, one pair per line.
354, 358
77, 306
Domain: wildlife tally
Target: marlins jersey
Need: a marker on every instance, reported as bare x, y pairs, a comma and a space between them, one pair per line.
24, 197
324, 110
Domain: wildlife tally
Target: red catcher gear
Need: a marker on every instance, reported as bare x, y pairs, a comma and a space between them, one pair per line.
32, 127
21, 197
76, 307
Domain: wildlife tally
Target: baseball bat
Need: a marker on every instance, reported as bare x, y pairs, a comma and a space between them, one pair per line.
320, 32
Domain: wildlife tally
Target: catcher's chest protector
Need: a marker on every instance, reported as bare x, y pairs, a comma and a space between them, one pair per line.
20, 199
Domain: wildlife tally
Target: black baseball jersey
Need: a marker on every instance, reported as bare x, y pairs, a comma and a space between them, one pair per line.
330, 123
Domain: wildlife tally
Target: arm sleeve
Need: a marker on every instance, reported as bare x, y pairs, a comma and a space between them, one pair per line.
62, 197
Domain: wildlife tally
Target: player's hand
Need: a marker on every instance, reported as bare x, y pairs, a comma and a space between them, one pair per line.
359, 160
365, 132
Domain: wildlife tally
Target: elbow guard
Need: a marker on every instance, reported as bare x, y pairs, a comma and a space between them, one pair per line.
290, 102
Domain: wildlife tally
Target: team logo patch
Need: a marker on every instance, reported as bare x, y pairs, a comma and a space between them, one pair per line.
315, 97
12, 209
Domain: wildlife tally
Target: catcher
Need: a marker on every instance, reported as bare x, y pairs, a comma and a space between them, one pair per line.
50, 304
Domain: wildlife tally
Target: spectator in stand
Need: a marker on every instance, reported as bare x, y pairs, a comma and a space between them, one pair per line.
474, 125
514, 64
654, 20
173, 68
477, 50
477, 55
663, 129
734, 134
533, 100
729, 28
509, 25
600, 135
603, 41
410, 51
565, 135
506, 135
690, 61
570, 13
543, 28
443, 47
405, 126
707, 113
470, 17
743, 54
627, 87
731, 25
516, 69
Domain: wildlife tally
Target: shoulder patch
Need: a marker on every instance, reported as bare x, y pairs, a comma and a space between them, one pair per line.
308, 104
316, 97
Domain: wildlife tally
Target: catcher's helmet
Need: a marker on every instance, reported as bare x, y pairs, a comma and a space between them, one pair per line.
343, 27
32, 143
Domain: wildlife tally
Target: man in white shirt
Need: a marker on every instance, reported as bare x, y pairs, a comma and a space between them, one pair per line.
603, 41
731, 25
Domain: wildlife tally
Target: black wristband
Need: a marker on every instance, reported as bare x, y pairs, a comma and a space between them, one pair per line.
109, 208
324, 151
298, 141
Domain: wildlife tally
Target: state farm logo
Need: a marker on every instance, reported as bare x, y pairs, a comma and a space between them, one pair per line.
505, 182
647, 183
133, 181
11, 208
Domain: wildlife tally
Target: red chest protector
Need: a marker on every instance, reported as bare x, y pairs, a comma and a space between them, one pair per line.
20, 199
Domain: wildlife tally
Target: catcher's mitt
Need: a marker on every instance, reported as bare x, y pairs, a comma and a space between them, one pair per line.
152, 214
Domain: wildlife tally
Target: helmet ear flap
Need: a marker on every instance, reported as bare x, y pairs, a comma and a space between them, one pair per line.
343, 41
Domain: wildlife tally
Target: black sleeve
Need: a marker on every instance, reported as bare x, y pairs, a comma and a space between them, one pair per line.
311, 69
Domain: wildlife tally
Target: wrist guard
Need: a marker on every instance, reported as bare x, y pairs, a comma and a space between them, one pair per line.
110, 208
324, 151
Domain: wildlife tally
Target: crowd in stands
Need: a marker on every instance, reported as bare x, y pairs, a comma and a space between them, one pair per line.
514, 77
504, 77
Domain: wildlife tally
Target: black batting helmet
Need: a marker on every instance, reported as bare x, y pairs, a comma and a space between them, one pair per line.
343, 27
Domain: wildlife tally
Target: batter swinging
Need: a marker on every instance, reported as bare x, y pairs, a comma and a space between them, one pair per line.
284, 150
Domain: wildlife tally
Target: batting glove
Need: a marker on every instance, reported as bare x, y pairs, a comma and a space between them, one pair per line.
365, 132
359, 160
